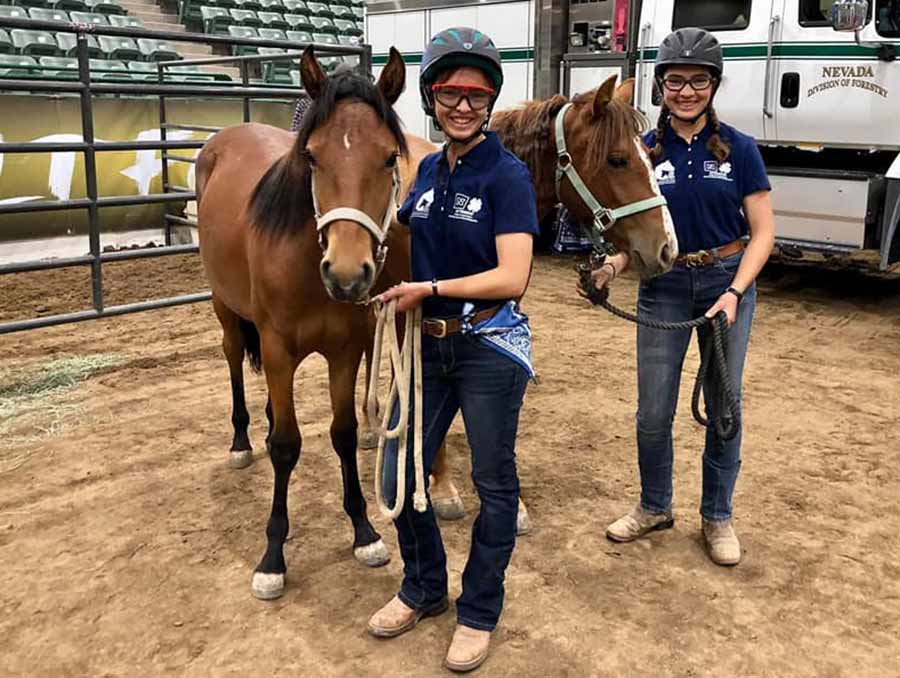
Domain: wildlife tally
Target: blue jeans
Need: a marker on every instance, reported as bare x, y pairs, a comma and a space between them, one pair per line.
682, 294
459, 373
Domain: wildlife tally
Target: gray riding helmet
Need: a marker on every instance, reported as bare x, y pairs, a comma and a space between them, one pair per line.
455, 47
689, 47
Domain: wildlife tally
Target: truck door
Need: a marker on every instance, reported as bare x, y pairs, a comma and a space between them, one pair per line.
830, 91
742, 27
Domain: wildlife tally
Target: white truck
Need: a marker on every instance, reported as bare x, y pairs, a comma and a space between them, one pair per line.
815, 81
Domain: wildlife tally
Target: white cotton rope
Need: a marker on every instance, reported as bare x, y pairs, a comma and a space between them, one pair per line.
406, 363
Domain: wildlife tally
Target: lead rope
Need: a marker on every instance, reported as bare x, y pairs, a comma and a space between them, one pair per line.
406, 364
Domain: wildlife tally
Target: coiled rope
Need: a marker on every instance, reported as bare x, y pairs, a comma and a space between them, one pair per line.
727, 422
406, 365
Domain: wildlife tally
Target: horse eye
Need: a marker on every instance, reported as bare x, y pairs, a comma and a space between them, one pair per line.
391, 162
617, 161
309, 157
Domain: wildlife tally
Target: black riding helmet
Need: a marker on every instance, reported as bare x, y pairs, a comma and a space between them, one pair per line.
456, 47
689, 47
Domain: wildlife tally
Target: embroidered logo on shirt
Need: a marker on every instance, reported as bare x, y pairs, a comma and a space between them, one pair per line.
466, 208
665, 173
713, 170
423, 204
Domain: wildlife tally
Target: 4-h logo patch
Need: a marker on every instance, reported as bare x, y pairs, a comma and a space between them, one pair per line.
465, 207
714, 170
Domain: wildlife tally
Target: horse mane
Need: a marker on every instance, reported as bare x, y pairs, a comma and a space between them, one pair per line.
528, 131
282, 200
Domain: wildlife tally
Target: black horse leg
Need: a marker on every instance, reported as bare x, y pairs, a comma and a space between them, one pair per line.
233, 345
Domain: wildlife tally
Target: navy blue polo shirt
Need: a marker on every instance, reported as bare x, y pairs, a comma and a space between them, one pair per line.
706, 197
455, 217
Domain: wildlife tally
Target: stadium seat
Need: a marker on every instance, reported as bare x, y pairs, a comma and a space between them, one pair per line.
69, 5
271, 6
215, 19
105, 6
273, 20
347, 28
44, 14
119, 48
358, 3
358, 12
242, 32
323, 25
13, 12
341, 12
325, 38
68, 44
299, 36
272, 34
90, 18
123, 21
37, 43
319, 9
189, 10
349, 40
58, 68
33, 3
157, 50
295, 7
299, 22
6, 43
245, 17
18, 66
344, 3
252, 5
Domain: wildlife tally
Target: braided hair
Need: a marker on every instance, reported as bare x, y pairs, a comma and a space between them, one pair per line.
716, 144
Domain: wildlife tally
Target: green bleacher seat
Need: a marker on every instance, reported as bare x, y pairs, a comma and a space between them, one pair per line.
33, 3
347, 28
361, 26
294, 7
273, 20
341, 12
44, 14
157, 50
37, 43
69, 5
58, 68
109, 69
95, 18
329, 63
68, 44
325, 38
358, 12
189, 10
105, 6
272, 34
245, 17
124, 21
344, 3
299, 36
13, 12
319, 9
119, 48
349, 40
272, 6
6, 43
252, 5
242, 32
323, 25
17, 66
358, 3
299, 22
215, 19
193, 72
107, 65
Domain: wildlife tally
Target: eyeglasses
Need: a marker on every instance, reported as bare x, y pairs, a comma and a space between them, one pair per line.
698, 83
451, 95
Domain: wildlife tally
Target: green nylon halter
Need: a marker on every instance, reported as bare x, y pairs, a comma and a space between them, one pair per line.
604, 218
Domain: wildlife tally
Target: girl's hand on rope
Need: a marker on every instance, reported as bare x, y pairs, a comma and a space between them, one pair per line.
408, 295
728, 303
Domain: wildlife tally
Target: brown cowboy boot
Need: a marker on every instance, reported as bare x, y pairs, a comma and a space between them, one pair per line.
468, 650
397, 618
638, 522
721, 542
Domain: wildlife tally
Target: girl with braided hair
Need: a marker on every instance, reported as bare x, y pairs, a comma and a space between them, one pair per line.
717, 190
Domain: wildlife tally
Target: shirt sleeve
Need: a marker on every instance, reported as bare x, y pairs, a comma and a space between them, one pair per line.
514, 203
406, 208
753, 170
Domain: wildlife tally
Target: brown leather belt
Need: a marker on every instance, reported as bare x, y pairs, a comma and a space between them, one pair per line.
440, 328
707, 257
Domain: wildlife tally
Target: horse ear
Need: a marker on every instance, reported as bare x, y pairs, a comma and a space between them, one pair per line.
603, 96
625, 92
311, 74
392, 80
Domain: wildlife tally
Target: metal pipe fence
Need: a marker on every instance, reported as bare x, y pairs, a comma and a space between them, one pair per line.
87, 89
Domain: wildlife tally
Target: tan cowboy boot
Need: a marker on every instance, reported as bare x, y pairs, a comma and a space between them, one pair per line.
638, 522
468, 650
721, 542
397, 617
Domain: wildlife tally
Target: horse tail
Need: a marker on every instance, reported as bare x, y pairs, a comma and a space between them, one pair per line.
203, 167
251, 344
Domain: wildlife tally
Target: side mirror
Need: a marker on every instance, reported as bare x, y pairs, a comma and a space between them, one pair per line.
849, 15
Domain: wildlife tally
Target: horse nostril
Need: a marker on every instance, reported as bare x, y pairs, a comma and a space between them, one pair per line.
665, 254
367, 272
325, 267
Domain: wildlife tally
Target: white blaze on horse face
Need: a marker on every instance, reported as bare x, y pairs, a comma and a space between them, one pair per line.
347, 140
667, 217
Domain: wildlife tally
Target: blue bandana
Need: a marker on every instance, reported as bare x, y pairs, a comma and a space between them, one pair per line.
506, 332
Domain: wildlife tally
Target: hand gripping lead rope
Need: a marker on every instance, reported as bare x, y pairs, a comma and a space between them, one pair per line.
406, 364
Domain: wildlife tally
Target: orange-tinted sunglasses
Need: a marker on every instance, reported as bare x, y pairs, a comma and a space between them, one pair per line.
449, 95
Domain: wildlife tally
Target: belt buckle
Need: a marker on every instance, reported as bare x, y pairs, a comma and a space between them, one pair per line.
695, 259
441, 333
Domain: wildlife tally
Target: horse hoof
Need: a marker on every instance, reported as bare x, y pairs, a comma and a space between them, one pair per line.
523, 522
372, 555
240, 458
367, 439
267, 585
449, 508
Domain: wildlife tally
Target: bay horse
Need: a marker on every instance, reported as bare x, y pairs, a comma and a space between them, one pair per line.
261, 192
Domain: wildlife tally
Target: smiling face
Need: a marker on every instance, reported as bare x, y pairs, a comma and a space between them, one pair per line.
462, 121
689, 102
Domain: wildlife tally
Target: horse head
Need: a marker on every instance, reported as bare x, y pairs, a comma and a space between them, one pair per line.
351, 142
602, 131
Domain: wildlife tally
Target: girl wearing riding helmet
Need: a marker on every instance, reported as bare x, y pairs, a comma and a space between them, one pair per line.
717, 190
472, 218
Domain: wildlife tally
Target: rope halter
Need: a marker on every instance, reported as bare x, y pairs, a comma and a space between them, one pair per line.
604, 217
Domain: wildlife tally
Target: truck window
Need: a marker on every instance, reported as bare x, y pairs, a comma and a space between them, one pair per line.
729, 15
818, 12
887, 18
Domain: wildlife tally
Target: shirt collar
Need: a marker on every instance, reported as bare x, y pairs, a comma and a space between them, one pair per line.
702, 136
484, 155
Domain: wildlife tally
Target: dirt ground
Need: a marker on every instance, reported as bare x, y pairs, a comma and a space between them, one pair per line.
127, 544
